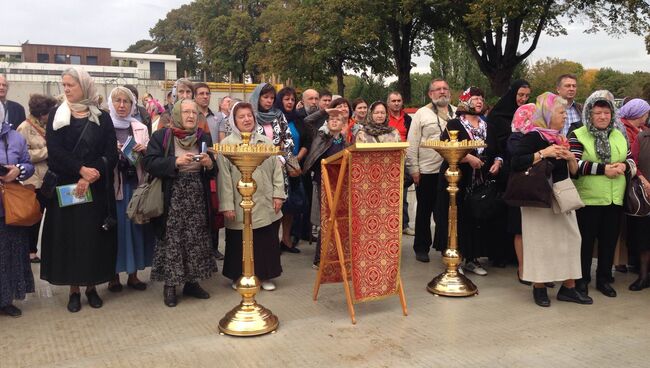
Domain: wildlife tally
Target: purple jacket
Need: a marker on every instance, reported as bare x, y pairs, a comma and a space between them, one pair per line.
13, 151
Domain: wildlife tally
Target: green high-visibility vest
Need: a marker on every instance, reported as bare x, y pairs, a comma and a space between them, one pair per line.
599, 190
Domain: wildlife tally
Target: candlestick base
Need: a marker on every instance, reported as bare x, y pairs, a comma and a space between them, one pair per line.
249, 318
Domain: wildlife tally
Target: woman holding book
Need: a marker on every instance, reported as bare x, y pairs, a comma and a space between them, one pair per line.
134, 242
79, 242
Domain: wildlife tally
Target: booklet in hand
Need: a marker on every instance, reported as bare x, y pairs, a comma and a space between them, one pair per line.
67, 196
129, 153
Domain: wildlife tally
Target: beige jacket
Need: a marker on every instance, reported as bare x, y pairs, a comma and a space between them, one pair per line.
37, 147
426, 124
362, 137
270, 184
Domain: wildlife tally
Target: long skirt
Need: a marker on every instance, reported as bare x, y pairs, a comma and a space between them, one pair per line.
16, 277
134, 242
75, 250
266, 252
184, 254
551, 245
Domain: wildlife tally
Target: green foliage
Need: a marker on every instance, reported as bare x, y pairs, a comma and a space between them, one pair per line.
621, 84
371, 89
141, 46
543, 74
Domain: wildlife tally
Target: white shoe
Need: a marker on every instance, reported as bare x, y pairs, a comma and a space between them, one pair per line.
234, 286
268, 285
408, 231
475, 266
460, 269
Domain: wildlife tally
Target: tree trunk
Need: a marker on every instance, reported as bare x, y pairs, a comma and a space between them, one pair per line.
340, 86
404, 79
500, 80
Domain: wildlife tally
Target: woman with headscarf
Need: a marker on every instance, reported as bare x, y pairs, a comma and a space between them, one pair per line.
499, 125
295, 203
134, 242
79, 243
476, 167
376, 129
16, 279
183, 89
268, 199
155, 110
33, 130
634, 115
551, 241
604, 159
183, 251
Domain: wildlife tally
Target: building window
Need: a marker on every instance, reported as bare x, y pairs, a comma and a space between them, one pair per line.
157, 70
91, 60
75, 59
42, 58
59, 59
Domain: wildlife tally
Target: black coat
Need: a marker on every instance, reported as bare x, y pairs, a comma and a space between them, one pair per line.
15, 112
158, 165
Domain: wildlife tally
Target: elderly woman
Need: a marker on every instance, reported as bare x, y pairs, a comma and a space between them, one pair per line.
16, 277
551, 242
134, 242
182, 255
78, 244
603, 160
475, 167
155, 110
183, 89
634, 116
376, 129
328, 141
33, 130
268, 201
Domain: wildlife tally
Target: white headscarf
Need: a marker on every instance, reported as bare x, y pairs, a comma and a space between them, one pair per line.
119, 122
88, 105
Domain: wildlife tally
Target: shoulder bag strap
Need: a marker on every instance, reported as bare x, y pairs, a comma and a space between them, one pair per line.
80, 137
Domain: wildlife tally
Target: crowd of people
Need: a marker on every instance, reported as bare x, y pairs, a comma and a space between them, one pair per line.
105, 149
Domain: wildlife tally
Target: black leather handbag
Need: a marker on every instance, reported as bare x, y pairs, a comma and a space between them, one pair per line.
532, 187
484, 201
636, 199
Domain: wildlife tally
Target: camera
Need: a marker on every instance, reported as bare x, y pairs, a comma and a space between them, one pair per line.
196, 158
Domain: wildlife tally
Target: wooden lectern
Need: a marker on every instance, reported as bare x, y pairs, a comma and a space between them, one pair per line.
361, 222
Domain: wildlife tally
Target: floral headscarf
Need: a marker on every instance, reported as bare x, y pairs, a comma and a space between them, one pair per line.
466, 103
374, 129
542, 119
186, 138
522, 120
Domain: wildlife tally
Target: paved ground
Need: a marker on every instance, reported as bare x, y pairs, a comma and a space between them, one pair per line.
501, 327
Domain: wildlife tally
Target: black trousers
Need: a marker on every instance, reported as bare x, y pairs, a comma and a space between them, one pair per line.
425, 193
601, 223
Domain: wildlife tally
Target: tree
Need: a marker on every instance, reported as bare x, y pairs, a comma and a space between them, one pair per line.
177, 34
495, 30
141, 46
542, 76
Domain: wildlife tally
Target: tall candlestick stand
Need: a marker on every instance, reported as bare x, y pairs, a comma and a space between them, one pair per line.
451, 282
249, 318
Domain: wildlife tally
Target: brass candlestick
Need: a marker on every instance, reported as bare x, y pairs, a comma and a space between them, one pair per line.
451, 282
248, 318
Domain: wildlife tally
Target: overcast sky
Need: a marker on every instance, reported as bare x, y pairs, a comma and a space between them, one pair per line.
116, 24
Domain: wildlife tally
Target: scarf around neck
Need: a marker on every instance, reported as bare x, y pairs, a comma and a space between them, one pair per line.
186, 138
263, 117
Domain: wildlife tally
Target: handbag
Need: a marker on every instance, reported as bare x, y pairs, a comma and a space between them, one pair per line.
636, 199
566, 197
483, 201
20, 205
51, 179
147, 201
530, 188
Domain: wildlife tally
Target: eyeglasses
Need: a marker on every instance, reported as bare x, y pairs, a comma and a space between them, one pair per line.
189, 112
122, 102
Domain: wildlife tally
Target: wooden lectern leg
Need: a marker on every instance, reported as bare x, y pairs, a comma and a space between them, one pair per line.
344, 273
402, 296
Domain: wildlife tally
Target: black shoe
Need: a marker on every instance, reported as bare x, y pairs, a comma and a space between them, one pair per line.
606, 289
218, 255
422, 257
93, 298
566, 294
582, 288
284, 248
35, 260
541, 298
640, 284
549, 284
115, 286
169, 294
141, 286
195, 290
12, 311
620, 268
294, 241
74, 303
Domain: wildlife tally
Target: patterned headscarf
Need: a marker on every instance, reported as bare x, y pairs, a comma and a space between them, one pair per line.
89, 104
603, 149
119, 122
522, 120
374, 129
466, 103
542, 119
186, 138
263, 117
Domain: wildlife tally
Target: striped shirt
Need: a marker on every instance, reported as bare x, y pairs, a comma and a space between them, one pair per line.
593, 168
